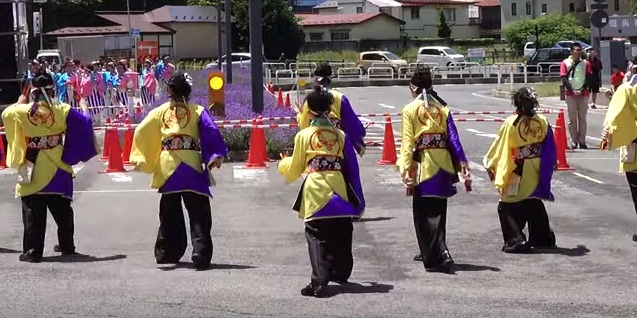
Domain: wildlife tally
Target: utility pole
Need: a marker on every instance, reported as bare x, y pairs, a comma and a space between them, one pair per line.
229, 39
256, 55
219, 50
41, 29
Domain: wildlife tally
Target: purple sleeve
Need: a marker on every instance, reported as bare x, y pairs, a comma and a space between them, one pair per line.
548, 160
79, 142
352, 174
351, 125
455, 147
212, 144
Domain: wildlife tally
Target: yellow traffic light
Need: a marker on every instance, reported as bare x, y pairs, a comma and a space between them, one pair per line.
216, 93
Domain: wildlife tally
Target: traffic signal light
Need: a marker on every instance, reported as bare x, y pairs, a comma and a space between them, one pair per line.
216, 93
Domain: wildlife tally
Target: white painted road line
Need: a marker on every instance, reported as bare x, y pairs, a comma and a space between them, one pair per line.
481, 134
247, 175
588, 178
476, 166
121, 177
387, 106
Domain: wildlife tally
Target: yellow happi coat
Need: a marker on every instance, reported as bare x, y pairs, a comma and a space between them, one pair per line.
419, 120
316, 140
621, 122
510, 142
20, 125
162, 122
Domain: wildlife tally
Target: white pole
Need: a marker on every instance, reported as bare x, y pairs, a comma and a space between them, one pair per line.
526, 74
511, 72
499, 77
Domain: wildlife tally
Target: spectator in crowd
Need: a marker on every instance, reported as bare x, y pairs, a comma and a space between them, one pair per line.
616, 78
595, 80
574, 72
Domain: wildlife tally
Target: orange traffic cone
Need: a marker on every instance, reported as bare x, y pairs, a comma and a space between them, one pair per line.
560, 142
256, 155
288, 104
389, 146
115, 163
271, 88
107, 140
279, 102
3, 153
128, 143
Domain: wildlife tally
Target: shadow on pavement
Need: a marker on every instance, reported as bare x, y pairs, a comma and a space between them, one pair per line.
376, 219
8, 251
474, 268
81, 258
212, 266
579, 250
355, 288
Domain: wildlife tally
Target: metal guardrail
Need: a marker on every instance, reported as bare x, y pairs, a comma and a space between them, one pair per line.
305, 65
348, 72
283, 72
305, 71
387, 71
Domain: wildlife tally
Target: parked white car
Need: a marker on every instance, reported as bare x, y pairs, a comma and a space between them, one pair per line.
529, 49
441, 55
238, 59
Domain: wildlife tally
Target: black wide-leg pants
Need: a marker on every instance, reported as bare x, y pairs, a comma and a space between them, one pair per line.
171, 238
34, 216
329, 243
515, 216
430, 221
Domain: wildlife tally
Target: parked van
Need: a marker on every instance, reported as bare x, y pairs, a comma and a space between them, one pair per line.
441, 55
529, 49
381, 58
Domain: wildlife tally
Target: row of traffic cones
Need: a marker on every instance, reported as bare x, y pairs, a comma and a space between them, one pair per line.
112, 152
280, 103
389, 156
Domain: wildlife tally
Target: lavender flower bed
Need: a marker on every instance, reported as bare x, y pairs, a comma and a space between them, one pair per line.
239, 106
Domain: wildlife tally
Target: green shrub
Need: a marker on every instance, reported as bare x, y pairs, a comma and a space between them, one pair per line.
348, 56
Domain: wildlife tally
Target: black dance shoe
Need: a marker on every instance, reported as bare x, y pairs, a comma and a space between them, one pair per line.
197, 261
418, 258
583, 146
310, 291
445, 266
58, 249
30, 257
521, 247
634, 237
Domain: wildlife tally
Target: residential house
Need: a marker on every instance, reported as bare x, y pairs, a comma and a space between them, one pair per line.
390, 7
421, 18
183, 32
345, 31
490, 18
516, 10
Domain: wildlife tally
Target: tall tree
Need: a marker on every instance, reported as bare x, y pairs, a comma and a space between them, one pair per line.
555, 27
444, 31
281, 31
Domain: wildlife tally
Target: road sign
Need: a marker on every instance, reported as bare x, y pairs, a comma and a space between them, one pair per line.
599, 19
36, 23
134, 33
216, 93
477, 53
302, 82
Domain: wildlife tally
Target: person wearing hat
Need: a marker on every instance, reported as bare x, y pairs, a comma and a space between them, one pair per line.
341, 112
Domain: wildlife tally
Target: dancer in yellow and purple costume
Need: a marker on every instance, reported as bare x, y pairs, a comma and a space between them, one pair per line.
179, 144
331, 195
341, 114
431, 156
620, 132
520, 163
45, 139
